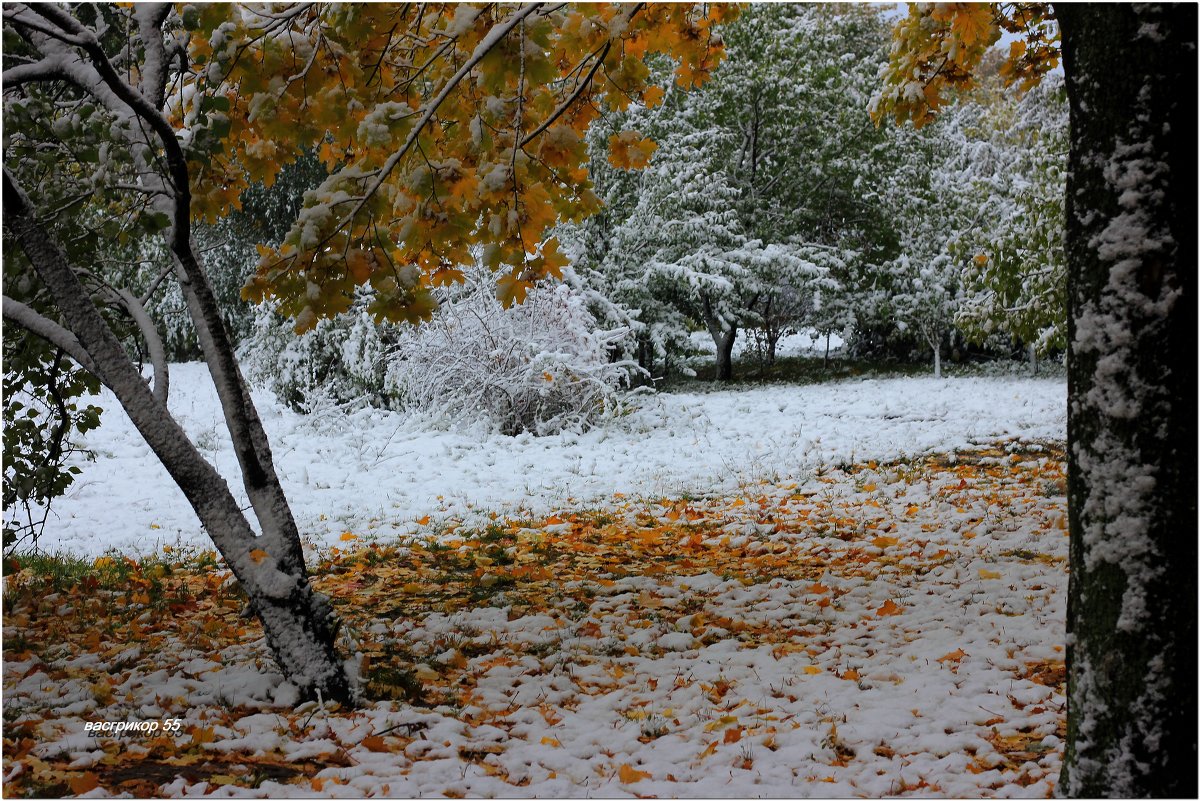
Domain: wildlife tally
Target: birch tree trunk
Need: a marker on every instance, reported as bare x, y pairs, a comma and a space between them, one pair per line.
1131, 257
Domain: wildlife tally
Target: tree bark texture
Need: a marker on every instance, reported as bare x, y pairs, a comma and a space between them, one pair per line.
723, 335
299, 624
1131, 256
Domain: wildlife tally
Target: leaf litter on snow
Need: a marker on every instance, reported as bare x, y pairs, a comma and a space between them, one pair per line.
875, 629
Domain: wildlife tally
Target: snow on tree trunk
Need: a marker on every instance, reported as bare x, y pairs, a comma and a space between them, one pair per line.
298, 623
1131, 255
937, 359
723, 334
1033, 358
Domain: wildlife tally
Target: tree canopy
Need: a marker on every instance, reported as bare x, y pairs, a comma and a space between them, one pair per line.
442, 127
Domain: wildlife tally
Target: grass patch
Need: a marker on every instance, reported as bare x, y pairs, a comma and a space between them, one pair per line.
799, 370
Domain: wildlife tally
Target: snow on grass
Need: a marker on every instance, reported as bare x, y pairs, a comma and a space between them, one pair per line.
885, 629
376, 473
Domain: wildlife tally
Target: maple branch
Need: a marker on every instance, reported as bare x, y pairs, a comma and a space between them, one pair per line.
154, 343
494, 37
150, 18
39, 325
558, 112
47, 69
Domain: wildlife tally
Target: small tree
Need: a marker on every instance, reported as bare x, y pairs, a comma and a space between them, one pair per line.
441, 128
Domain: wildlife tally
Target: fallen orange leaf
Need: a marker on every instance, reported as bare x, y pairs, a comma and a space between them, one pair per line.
889, 608
630, 774
733, 735
84, 784
374, 743
954, 656
348, 536
203, 735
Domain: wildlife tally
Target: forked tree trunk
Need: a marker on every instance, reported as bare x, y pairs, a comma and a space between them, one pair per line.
1131, 425
298, 623
723, 335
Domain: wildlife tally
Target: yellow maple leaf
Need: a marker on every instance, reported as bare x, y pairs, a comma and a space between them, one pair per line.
973, 24
510, 289
203, 735
630, 150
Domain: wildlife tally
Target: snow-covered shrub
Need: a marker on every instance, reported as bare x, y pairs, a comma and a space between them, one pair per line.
342, 360
541, 366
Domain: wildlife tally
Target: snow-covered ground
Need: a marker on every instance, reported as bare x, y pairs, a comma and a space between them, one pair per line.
377, 473
749, 620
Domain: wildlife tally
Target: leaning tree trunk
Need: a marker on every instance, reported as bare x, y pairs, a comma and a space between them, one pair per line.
1131, 426
298, 623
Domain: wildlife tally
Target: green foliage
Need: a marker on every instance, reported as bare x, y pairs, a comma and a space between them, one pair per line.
42, 416
1014, 263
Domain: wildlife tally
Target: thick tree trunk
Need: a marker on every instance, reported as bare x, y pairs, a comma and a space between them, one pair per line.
1131, 256
299, 624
